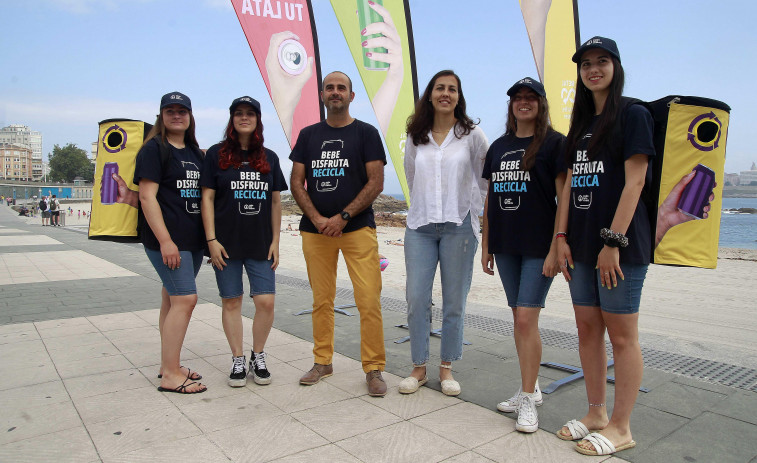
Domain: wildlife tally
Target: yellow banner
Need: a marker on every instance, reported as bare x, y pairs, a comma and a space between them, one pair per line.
380, 39
117, 146
552, 31
695, 142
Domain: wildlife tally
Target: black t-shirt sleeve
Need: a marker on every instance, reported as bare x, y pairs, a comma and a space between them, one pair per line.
209, 169
638, 135
487, 172
557, 155
148, 163
299, 152
373, 149
279, 182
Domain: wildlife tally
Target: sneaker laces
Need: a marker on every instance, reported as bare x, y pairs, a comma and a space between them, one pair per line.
259, 360
527, 409
238, 365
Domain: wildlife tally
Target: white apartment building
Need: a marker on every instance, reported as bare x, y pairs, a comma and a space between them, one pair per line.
23, 135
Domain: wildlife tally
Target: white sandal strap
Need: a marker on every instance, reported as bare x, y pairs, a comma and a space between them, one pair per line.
448, 367
577, 429
602, 445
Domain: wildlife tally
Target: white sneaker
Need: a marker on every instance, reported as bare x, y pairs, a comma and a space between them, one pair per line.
510, 405
528, 419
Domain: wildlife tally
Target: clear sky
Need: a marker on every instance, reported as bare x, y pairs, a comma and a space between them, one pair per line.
68, 64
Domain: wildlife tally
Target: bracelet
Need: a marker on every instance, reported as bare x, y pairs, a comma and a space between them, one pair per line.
211, 240
613, 239
561, 234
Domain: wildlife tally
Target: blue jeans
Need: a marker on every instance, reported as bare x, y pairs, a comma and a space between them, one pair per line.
521, 276
259, 272
585, 288
453, 248
181, 280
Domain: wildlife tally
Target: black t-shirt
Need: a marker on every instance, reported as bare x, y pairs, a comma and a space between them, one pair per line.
242, 205
178, 194
596, 188
334, 160
522, 203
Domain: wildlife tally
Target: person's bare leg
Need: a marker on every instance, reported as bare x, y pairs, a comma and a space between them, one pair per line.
263, 321
231, 318
591, 349
172, 338
629, 370
528, 345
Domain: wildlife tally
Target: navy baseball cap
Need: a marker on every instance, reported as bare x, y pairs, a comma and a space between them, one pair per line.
528, 82
175, 98
245, 100
597, 42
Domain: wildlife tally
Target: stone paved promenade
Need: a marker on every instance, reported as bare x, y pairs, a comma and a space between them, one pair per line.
79, 348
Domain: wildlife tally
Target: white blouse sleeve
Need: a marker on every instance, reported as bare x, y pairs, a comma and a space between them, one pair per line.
409, 162
478, 158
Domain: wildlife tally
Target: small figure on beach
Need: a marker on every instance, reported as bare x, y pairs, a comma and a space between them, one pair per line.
342, 159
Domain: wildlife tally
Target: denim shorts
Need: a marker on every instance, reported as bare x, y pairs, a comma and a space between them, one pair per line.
585, 289
262, 277
181, 280
521, 276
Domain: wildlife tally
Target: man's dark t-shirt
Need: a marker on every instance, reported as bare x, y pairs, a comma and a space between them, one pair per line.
334, 160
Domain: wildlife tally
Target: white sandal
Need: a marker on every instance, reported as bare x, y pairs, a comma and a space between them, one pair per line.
450, 386
411, 384
602, 445
577, 430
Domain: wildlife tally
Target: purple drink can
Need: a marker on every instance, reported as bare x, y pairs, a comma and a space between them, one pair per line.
108, 186
697, 193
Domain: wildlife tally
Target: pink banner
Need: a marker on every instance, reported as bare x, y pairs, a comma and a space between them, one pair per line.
282, 37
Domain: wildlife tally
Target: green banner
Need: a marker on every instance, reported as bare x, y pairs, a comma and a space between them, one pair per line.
380, 38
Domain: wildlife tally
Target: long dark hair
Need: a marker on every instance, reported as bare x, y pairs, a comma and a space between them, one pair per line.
584, 111
422, 119
541, 130
230, 153
159, 129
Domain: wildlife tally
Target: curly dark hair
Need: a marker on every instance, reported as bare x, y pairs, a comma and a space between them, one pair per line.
422, 119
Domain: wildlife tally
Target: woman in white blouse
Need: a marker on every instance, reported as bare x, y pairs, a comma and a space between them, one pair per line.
444, 158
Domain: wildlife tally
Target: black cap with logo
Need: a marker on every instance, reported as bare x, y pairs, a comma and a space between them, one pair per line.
528, 82
245, 100
597, 42
175, 98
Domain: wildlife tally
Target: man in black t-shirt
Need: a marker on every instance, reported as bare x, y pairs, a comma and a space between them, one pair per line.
341, 160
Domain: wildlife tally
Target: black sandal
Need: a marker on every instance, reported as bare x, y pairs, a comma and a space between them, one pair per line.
183, 388
196, 378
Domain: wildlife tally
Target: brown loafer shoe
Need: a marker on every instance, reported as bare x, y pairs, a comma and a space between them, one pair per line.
376, 384
316, 374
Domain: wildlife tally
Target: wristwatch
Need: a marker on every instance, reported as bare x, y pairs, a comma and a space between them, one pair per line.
345, 215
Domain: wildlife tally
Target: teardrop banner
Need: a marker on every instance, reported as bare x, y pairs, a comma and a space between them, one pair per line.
553, 31
283, 40
379, 35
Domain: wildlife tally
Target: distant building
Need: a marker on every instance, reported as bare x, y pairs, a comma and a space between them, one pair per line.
746, 177
732, 179
23, 135
16, 161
